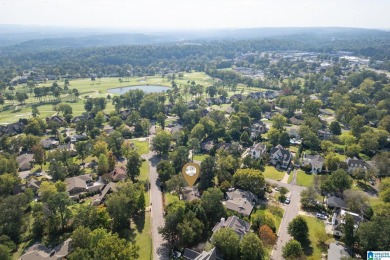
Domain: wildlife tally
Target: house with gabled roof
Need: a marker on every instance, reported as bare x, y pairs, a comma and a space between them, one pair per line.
258, 150
241, 227
315, 161
355, 163
41, 252
240, 201
193, 255
280, 157
25, 161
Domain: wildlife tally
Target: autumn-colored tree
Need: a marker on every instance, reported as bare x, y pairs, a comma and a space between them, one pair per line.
267, 236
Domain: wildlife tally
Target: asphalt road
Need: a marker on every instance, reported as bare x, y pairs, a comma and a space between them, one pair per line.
159, 249
290, 212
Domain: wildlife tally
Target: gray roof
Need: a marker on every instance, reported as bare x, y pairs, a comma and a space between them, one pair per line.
240, 201
239, 226
335, 202
40, 252
314, 160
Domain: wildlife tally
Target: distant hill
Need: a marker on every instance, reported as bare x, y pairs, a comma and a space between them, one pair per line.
23, 38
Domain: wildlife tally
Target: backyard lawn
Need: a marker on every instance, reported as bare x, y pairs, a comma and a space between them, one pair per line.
200, 157
271, 173
304, 179
142, 147
315, 226
170, 198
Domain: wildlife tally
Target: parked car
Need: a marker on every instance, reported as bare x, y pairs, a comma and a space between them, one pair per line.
321, 216
287, 201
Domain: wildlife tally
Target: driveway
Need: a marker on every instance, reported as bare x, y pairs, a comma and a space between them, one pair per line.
290, 212
24, 174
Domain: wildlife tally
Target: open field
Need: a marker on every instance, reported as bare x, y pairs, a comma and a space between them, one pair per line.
12, 111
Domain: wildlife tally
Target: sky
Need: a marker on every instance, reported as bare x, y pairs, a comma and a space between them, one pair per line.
197, 14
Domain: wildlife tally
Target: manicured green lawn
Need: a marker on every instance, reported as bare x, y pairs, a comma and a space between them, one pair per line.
170, 198
304, 179
200, 157
271, 173
142, 147
290, 177
315, 225
144, 171
143, 238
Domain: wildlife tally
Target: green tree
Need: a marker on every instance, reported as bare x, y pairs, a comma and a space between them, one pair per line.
349, 237
179, 157
92, 217
38, 154
299, 230
292, 250
251, 180
83, 149
58, 203
103, 164
161, 119
228, 243
165, 171
208, 168
369, 141
198, 131
212, 205
34, 111
332, 161
133, 166
279, 122
245, 139
340, 180
251, 247
5, 253
115, 122
335, 128
115, 141
161, 142
356, 124
373, 235
100, 147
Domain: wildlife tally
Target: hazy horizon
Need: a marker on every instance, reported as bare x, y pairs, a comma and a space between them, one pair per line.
154, 15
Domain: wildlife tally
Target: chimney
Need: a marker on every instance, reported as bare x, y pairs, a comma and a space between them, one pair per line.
223, 222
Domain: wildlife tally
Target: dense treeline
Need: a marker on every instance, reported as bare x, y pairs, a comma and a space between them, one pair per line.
151, 59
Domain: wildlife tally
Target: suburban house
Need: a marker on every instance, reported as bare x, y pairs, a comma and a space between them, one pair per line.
337, 251
315, 161
104, 192
280, 157
189, 193
334, 202
207, 145
338, 221
193, 255
68, 147
41, 252
240, 201
239, 226
12, 129
50, 143
324, 134
354, 163
56, 119
257, 129
30, 184
78, 184
258, 150
115, 175
25, 161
